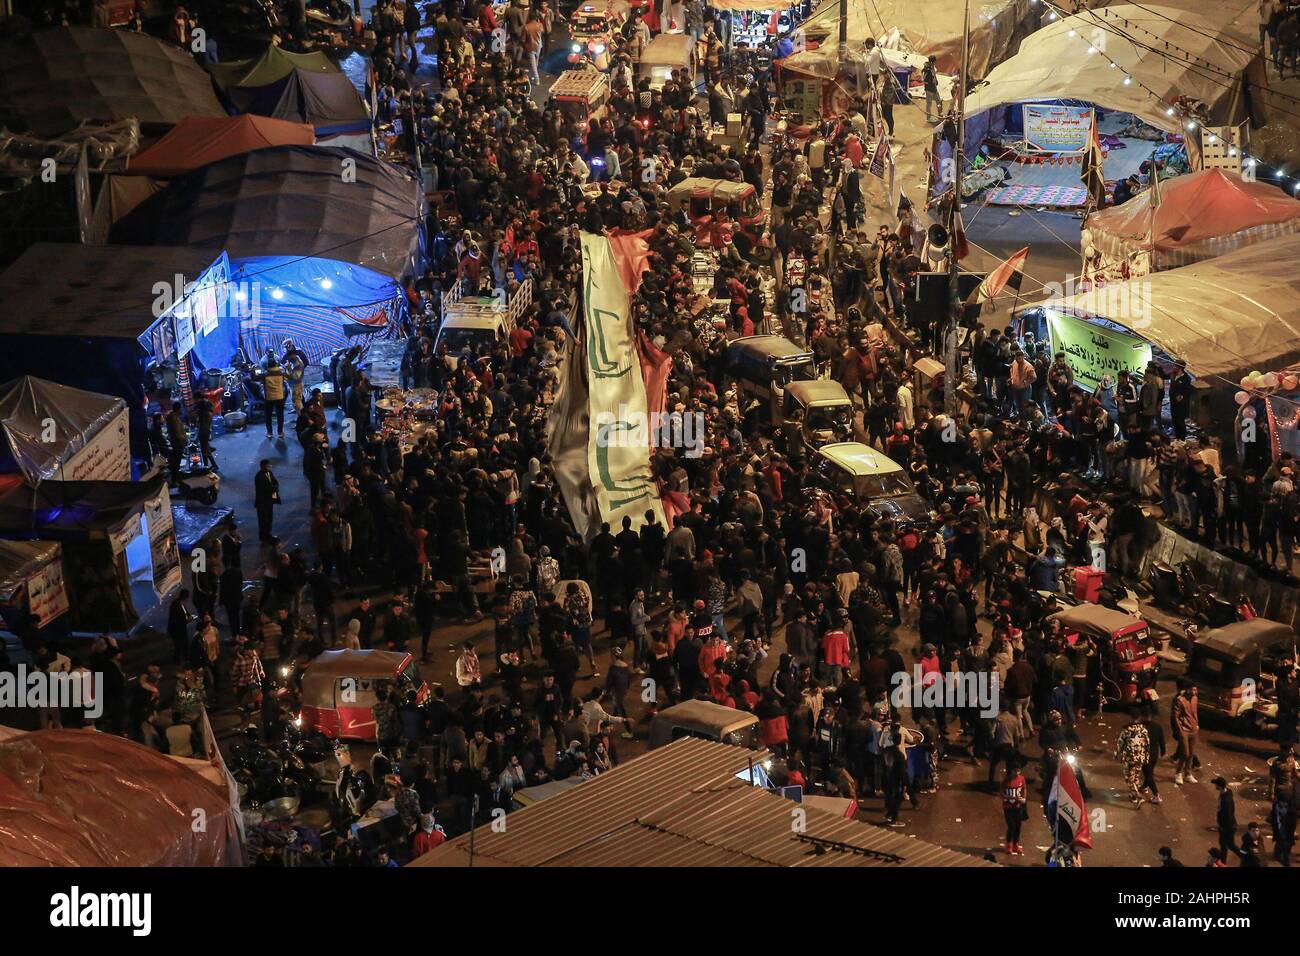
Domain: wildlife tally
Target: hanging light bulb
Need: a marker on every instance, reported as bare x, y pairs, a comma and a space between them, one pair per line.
1128, 80
1071, 33
1191, 124
1092, 49
1170, 111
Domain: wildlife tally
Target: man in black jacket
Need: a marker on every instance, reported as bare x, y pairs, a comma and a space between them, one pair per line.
266, 495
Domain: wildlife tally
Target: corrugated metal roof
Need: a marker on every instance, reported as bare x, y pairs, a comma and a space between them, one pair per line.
682, 805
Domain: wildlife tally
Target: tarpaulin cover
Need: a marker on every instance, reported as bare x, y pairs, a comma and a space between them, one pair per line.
118, 195
84, 798
291, 201
319, 303
930, 26
327, 101
274, 63
1225, 316
55, 509
1052, 64
196, 141
53, 79
28, 406
19, 560
1210, 204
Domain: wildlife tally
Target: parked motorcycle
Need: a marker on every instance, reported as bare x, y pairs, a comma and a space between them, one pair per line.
197, 481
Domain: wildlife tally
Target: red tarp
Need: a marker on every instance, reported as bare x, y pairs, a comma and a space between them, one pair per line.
84, 798
1195, 207
197, 141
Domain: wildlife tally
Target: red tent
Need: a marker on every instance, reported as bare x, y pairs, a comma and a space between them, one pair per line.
1194, 217
197, 141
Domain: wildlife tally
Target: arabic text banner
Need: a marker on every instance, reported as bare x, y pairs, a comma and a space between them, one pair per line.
618, 445
1058, 129
1093, 351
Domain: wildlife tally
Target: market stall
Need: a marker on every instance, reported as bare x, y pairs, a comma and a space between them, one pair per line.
31, 583
118, 543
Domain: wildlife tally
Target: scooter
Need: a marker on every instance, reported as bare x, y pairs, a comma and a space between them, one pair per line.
195, 479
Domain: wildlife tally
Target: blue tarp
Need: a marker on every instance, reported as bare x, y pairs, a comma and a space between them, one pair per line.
319, 303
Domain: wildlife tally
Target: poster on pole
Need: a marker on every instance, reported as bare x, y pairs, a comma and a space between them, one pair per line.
1093, 351
620, 443
1058, 129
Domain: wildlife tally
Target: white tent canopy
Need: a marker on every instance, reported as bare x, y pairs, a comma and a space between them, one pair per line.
1225, 316
1150, 43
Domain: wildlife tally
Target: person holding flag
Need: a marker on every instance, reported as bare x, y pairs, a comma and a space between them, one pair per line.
1067, 815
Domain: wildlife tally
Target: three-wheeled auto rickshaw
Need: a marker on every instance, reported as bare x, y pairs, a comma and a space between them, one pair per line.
339, 688
1128, 655
816, 413
717, 207
762, 366
666, 53
580, 96
1234, 668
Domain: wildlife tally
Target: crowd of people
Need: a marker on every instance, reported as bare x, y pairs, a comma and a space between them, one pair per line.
766, 590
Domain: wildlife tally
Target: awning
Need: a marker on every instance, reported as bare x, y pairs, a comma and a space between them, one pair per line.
1225, 316
1171, 54
196, 141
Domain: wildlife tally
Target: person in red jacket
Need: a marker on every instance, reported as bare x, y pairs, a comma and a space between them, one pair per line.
714, 650
773, 725
429, 835
835, 655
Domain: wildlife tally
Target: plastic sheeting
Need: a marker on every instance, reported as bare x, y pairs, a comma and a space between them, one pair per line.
1224, 316
196, 141
30, 407
1051, 64
320, 303
19, 560
53, 79
1200, 215
74, 508
291, 201
83, 798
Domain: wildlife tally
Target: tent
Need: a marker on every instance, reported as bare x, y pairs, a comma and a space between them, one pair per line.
929, 26
31, 582
320, 303
274, 64
1224, 316
52, 431
1149, 43
84, 798
92, 317
54, 79
119, 543
326, 101
298, 201
196, 141
1199, 216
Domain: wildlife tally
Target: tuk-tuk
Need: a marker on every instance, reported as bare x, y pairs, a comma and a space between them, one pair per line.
339, 688
581, 96
666, 53
706, 720
816, 413
1234, 668
1127, 652
763, 365
869, 478
717, 205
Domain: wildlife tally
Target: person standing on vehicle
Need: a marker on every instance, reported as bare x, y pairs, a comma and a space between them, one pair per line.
1187, 727
273, 390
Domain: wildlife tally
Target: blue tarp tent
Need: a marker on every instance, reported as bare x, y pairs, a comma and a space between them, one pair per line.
319, 303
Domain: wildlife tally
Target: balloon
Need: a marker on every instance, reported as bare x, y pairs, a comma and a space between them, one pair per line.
1241, 398
1270, 380
1257, 374
1290, 382
1248, 411
1246, 381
